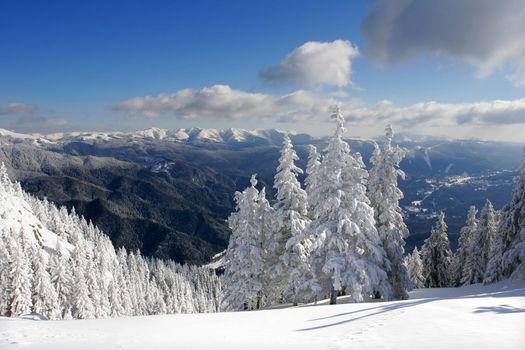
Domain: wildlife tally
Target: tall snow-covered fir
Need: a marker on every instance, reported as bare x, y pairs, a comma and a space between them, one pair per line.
56, 264
346, 250
384, 198
480, 245
291, 246
244, 268
511, 232
415, 269
437, 256
465, 236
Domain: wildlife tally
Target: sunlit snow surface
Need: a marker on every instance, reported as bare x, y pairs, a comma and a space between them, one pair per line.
473, 317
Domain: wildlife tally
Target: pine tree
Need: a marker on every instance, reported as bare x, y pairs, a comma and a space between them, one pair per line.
5, 276
415, 269
244, 259
289, 253
44, 297
437, 256
61, 279
21, 278
480, 246
82, 304
266, 222
465, 236
494, 270
512, 230
347, 252
384, 198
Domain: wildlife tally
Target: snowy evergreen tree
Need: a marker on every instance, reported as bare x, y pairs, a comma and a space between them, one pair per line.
290, 245
21, 278
44, 298
437, 256
414, 266
347, 252
61, 279
244, 259
465, 236
82, 303
5, 275
480, 246
512, 228
384, 198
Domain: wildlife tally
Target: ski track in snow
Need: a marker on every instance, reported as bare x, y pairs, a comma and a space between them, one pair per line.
474, 317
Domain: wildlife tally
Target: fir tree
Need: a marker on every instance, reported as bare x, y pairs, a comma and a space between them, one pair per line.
465, 236
414, 266
512, 228
61, 279
21, 278
44, 297
347, 252
244, 259
290, 246
437, 256
384, 198
480, 246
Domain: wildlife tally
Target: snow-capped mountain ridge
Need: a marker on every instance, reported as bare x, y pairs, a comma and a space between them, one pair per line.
189, 135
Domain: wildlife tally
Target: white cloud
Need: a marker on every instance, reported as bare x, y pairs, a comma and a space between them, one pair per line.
486, 33
223, 102
306, 108
315, 64
434, 114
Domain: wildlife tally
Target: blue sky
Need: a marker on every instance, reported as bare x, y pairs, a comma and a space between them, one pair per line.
72, 65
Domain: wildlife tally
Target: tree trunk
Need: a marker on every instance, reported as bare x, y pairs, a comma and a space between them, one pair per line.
333, 296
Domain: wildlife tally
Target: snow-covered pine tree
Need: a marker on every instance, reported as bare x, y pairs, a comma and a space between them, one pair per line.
512, 228
288, 241
5, 276
82, 303
465, 235
21, 277
266, 223
61, 279
415, 269
44, 298
384, 197
437, 256
481, 244
244, 259
347, 252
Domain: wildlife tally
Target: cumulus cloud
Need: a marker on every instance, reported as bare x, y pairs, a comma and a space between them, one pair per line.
223, 102
315, 64
488, 34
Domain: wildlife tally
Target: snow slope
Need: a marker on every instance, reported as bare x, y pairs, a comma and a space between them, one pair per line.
474, 317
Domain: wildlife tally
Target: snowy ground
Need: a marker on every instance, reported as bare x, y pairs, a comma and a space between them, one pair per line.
474, 317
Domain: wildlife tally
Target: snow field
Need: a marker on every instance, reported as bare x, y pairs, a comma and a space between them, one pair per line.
473, 317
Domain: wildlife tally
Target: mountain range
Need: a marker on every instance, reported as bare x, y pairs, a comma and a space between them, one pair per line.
169, 192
